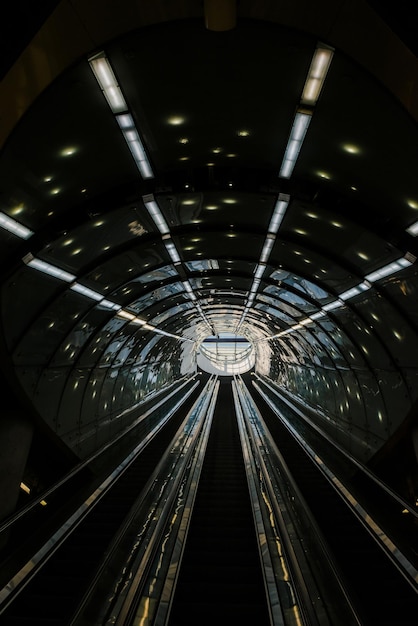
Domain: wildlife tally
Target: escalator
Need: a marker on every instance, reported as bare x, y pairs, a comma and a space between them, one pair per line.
55, 592
380, 592
219, 574
221, 579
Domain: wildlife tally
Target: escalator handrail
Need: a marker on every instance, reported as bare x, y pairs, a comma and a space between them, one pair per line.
358, 464
403, 564
263, 532
179, 529
12, 519
292, 487
44, 553
118, 608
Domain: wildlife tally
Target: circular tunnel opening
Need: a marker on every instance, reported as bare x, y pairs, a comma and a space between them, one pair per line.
226, 354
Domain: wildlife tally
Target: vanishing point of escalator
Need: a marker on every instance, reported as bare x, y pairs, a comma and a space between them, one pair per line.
220, 580
53, 595
381, 594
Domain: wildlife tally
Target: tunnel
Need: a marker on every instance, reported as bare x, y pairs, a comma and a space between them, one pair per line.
192, 189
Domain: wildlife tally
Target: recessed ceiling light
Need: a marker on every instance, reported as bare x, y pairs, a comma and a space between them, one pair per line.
413, 204
324, 175
351, 148
353, 188
300, 232
47, 179
229, 201
69, 151
337, 224
184, 158
243, 133
99, 223
231, 155
176, 120
212, 207
363, 256
55, 191
67, 242
314, 216
210, 164
17, 209
217, 150
183, 140
188, 202
83, 190
76, 251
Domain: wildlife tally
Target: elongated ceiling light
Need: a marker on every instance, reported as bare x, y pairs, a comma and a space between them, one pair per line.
279, 211
317, 73
155, 213
47, 268
383, 272
294, 144
9, 224
413, 229
318, 69
106, 78
56, 272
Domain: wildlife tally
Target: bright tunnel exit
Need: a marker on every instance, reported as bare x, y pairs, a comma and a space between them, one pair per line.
226, 354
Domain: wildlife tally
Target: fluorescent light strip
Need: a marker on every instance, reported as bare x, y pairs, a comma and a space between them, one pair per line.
260, 269
391, 268
46, 268
318, 315
354, 291
108, 83
106, 78
316, 76
267, 248
385, 271
155, 213
94, 295
171, 249
138, 151
85, 291
335, 304
14, 227
413, 229
278, 213
297, 135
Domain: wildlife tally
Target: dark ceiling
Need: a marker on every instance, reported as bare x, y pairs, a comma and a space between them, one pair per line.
67, 175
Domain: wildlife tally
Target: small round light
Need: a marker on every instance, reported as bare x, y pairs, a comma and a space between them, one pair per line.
351, 148
69, 151
243, 133
413, 204
183, 140
324, 175
176, 120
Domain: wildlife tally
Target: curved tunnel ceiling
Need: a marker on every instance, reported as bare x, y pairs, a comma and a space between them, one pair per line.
113, 270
